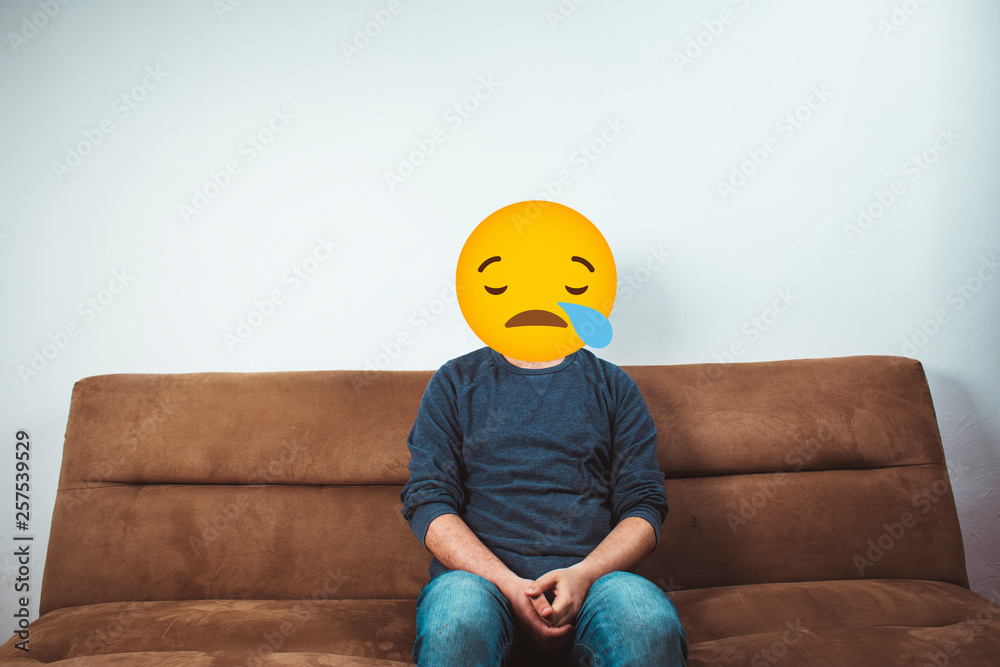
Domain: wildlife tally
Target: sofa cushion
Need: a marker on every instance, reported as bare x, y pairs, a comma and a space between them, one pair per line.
235, 485
795, 414
218, 632
837, 623
222, 541
212, 659
897, 522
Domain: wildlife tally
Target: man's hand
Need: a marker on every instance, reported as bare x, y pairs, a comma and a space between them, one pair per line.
538, 631
458, 548
626, 545
570, 585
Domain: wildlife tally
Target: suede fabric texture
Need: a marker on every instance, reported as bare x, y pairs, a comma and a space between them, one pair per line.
254, 519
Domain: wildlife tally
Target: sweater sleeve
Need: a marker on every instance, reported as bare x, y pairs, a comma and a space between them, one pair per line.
636, 479
434, 486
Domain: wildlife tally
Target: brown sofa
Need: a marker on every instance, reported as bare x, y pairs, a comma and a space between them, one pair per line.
254, 519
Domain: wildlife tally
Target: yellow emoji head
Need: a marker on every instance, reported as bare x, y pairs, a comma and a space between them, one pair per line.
536, 281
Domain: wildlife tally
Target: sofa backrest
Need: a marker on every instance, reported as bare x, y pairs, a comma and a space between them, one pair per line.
800, 470
285, 485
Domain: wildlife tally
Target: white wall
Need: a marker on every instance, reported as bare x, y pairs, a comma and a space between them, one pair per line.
678, 130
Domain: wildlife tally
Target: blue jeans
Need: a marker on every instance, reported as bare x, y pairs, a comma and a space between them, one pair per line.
464, 619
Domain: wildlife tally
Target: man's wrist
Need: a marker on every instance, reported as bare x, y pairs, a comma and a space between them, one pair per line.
589, 570
626, 545
507, 581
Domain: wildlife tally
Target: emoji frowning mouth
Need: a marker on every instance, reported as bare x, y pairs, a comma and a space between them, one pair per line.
536, 317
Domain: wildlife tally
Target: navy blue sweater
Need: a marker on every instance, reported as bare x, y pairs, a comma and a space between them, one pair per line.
541, 464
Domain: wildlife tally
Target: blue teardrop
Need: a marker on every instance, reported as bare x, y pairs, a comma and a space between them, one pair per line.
591, 326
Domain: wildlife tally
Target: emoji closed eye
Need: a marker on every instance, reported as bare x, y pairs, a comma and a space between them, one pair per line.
496, 290
575, 290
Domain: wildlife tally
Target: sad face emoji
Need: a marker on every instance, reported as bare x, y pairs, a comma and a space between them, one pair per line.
536, 281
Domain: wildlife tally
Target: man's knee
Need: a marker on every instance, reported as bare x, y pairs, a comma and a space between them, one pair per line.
627, 585
632, 592
457, 601
460, 614
636, 609
461, 587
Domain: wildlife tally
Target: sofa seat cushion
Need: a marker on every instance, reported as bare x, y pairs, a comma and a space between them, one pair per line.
836, 623
255, 633
202, 659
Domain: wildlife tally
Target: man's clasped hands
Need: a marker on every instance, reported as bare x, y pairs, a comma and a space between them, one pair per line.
547, 626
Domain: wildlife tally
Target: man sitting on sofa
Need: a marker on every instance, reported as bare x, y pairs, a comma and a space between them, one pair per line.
535, 483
